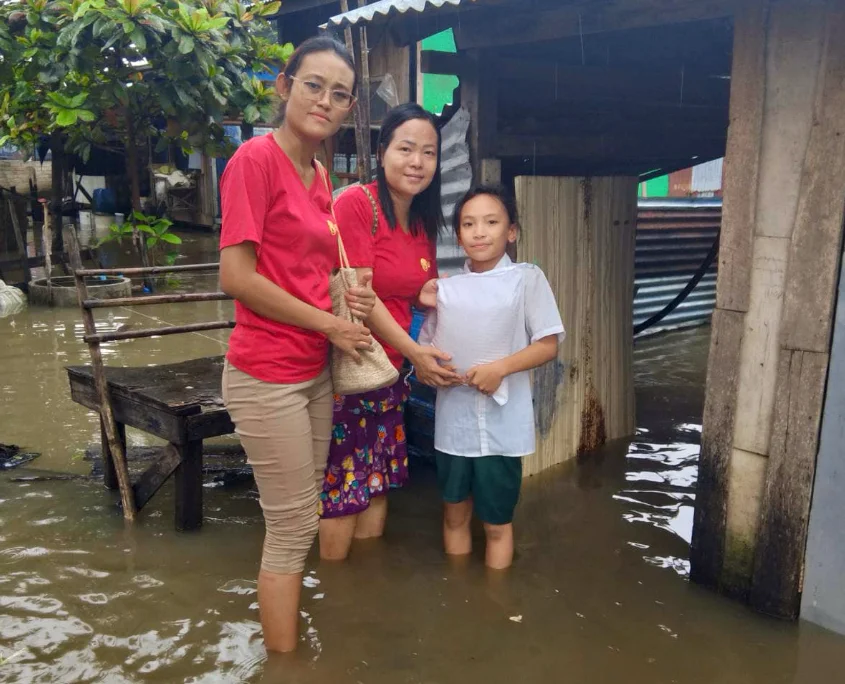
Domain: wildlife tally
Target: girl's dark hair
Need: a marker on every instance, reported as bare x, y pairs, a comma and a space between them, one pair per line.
320, 44
499, 192
426, 209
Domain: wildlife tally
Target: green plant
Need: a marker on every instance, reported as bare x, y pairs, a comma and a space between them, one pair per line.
118, 74
157, 236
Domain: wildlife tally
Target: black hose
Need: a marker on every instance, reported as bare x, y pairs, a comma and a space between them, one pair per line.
682, 295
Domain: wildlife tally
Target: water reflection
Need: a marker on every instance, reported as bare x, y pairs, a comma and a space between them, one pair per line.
598, 592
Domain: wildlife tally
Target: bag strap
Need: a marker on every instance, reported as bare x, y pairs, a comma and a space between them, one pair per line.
373, 205
341, 250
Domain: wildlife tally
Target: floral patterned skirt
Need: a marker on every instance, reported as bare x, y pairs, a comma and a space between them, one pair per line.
368, 453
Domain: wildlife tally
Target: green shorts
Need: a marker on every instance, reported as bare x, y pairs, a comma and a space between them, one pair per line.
492, 481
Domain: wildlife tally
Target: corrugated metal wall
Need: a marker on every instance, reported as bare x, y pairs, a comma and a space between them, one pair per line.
673, 238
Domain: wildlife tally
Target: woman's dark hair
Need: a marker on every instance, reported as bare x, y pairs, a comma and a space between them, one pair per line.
498, 191
309, 47
320, 44
426, 209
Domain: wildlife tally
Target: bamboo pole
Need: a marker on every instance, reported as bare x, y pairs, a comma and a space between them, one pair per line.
362, 149
156, 299
364, 100
127, 495
148, 269
47, 247
94, 337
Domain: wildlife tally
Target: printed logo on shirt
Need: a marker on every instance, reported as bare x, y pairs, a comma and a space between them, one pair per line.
426, 264
332, 227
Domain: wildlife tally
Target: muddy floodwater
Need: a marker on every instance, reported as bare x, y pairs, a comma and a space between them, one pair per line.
599, 591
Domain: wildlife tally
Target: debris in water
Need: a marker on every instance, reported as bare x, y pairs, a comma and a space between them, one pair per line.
579, 615
317, 597
310, 582
11, 456
515, 618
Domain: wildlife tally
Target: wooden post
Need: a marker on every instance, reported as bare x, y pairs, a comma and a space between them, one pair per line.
109, 473
362, 143
779, 264
116, 448
20, 236
189, 487
581, 231
46, 247
479, 94
364, 99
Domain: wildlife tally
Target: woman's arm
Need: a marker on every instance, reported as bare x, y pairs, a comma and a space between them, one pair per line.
240, 280
424, 359
487, 377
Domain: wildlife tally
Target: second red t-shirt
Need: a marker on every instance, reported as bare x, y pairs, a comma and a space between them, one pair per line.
402, 263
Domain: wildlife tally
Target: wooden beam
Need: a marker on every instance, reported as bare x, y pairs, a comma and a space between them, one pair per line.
438, 62
603, 147
511, 27
678, 85
479, 95
817, 236
779, 559
742, 159
707, 551
156, 475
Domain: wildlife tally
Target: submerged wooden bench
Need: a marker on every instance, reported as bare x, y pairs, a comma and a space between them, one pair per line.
178, 402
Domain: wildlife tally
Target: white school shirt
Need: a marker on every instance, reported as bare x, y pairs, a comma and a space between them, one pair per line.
483, 317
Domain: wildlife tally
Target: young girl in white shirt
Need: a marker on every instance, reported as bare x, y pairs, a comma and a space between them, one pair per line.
498, 320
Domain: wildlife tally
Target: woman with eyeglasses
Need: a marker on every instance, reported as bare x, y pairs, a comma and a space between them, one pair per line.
390, 231
278, 246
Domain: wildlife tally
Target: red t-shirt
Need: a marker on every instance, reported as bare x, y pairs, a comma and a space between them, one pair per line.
265, 202
401, 263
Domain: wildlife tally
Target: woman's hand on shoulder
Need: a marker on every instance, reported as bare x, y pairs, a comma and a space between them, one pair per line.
429, 369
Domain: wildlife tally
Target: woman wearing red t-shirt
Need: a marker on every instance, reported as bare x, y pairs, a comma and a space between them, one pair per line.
278, 247
390, 230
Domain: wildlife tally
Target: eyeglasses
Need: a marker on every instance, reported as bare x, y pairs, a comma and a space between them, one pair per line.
314, 92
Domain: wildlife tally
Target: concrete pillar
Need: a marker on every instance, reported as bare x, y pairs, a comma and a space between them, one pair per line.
581, 232
784, 193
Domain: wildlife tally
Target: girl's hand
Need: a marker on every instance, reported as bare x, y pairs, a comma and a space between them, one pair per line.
428, 294
361, 298
426, 362
486, 378
350, 337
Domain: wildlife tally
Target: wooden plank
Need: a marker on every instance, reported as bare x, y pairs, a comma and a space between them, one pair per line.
817, 237
20, 238
545, 81
779, 558
138, 415
512, 27
582, 235
606, 147
445, 63
479, 95
709, 525
742, 158
793, 59
759, 358
189, 487
109, 473
209, 423
156, 475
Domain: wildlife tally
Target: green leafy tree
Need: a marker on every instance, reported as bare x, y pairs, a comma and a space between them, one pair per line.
116, 74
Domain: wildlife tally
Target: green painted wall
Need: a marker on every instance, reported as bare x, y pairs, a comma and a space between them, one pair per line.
437, 88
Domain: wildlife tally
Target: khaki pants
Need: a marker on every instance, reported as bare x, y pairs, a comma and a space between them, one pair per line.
285, 431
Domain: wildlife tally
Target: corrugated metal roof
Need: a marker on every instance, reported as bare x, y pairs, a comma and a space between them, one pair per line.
387, 8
